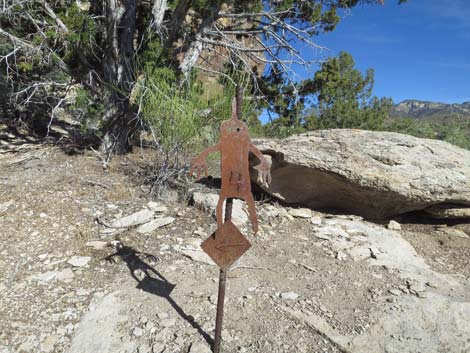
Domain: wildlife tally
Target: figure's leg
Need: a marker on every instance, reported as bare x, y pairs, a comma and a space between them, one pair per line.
219, 211
250, 202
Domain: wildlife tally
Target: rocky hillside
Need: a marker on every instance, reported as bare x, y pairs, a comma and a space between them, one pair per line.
430, 110
91, 264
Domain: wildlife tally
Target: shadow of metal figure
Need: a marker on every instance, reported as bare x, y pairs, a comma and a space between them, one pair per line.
153, 281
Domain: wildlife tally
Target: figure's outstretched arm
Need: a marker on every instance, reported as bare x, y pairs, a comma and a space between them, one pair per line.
199, 163
264, 169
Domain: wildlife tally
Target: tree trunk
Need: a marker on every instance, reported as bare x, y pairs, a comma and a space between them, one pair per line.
158, 12
195, 49
118, 73
176, 22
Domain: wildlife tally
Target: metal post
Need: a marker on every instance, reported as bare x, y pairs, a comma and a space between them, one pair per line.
220, 311
222, 283
223, 273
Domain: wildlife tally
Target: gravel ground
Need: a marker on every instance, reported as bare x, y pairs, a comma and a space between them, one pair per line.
53, 205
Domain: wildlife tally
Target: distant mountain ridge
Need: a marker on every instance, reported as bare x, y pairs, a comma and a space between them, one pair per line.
430, 110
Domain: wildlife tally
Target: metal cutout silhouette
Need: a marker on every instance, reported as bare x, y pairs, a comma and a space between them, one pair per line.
234, 147
227, 244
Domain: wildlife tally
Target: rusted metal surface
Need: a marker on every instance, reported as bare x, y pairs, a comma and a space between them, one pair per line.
226, 245
221, 295
234, 147
220, 311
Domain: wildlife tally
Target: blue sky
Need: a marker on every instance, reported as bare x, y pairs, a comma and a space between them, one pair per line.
419, 50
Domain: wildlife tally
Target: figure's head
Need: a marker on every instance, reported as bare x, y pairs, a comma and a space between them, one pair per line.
234, 128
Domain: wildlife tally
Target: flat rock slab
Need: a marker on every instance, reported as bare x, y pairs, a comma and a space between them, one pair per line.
135, 219
79, 261
432, 325
64, 275
369, 173
98, 330
433, 319
208, 202
154, 224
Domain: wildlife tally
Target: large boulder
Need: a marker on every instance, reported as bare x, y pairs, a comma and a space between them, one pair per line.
369, 173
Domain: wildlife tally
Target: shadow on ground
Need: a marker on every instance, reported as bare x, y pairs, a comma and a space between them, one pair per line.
153, 281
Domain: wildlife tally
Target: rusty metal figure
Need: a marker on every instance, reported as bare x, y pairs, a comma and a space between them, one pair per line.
234, 147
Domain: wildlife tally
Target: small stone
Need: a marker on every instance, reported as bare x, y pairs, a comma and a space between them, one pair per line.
150, 326
416, 287
158, 347
315, 220
393, 225
179, 341
144, 320
194, 243
97, 245
164, 247
162, 315
43, 256
271, 211
395, 292
300, 212
213, 299
69, 328
65, 275
79, 261
157, 207
201, 233
170, 322
48, 344
340, 255
431, 284
137, 332
199, 348
374, 252
43, 215
289, 296
251, 289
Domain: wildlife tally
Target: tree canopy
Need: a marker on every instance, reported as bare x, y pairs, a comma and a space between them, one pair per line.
344, 96
338, 96
109, 48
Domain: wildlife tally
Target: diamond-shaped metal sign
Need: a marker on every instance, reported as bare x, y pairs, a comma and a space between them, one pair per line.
226, 245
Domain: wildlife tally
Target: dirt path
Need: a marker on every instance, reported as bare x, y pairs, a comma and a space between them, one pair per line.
149, 297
